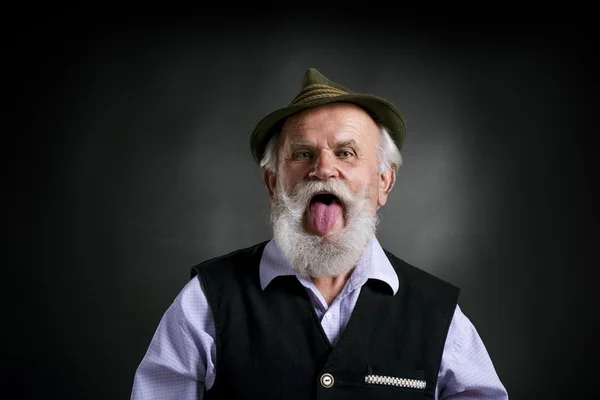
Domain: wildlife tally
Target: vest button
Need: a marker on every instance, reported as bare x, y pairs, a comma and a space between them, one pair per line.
327, 380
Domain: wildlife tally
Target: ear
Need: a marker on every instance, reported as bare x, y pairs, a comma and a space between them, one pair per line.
270, 181
387, 180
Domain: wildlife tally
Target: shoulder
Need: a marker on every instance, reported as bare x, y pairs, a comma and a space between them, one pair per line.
463, 335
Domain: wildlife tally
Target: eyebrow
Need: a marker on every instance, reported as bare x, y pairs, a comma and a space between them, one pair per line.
347, 143
299, 143
305, 143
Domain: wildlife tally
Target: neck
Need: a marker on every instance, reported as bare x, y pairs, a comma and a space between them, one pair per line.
330, 287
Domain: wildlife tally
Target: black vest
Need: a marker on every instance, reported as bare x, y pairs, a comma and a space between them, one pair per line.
270, 344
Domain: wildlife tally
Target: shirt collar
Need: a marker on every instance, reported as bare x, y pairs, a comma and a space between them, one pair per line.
373, 264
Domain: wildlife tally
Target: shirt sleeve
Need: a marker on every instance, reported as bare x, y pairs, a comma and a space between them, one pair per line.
179, 361
466, 371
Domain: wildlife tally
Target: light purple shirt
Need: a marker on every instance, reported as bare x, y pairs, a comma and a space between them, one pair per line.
181, 359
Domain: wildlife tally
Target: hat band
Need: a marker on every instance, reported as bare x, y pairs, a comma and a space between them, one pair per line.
314, 92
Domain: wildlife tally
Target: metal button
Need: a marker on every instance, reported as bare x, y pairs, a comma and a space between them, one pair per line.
327, 380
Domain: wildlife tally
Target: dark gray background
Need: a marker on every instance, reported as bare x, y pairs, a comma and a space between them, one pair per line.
131, 163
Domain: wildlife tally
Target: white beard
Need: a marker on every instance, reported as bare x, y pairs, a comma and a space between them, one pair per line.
318, 256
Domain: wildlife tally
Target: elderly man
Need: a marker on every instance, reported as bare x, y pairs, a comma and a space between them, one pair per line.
321, 310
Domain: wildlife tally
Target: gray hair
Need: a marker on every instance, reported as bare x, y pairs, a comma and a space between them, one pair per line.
389, 156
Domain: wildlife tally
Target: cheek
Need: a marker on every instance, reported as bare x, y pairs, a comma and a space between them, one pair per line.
369, 186
376, 191
288, 180
290, 176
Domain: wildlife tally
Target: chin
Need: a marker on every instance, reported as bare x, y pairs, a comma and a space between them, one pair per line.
329, 235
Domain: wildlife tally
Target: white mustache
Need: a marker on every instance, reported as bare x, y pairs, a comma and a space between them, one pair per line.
304, 191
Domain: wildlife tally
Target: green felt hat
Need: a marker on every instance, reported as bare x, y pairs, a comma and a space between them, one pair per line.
318, 90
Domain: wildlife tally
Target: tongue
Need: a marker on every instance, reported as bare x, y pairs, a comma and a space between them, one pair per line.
324, 216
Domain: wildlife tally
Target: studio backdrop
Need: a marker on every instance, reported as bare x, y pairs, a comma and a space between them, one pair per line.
135, 165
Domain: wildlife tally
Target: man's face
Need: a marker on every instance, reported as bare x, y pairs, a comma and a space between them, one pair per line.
338, 141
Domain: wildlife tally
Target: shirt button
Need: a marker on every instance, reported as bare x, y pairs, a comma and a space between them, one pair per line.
328, 316
327, 380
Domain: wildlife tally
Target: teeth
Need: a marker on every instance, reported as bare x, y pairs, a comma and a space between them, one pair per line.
392, 381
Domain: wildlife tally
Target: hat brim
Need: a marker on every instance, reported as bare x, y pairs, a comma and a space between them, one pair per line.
381, 110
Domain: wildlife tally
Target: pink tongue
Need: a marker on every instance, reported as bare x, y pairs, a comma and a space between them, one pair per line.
324, 216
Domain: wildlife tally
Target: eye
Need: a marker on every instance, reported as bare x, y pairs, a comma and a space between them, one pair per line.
302, 155
345, 153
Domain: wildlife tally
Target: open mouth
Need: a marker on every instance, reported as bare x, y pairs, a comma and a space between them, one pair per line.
325, 198
324, 212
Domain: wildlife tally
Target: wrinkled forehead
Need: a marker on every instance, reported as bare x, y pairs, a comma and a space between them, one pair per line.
338, 119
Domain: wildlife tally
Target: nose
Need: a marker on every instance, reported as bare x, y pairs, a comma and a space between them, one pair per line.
324, 166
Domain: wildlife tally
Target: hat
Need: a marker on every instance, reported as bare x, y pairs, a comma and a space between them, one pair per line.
318, 90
